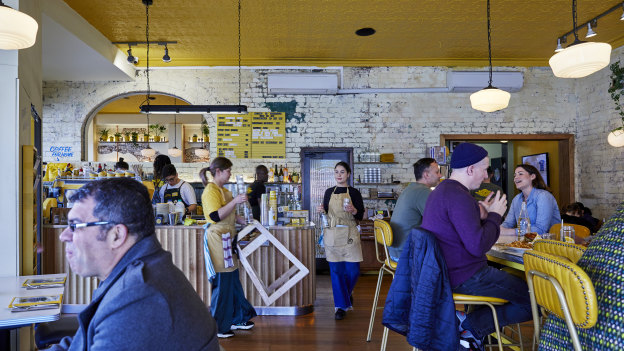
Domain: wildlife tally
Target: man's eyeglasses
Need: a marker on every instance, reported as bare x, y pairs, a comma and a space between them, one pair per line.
170, 179
73, 226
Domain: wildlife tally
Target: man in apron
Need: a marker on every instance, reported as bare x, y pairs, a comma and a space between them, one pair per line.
175, 189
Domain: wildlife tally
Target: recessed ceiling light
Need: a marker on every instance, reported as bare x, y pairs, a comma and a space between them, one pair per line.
364, 32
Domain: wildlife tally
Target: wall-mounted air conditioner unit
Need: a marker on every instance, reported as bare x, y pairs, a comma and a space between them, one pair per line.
469, 82
302, 83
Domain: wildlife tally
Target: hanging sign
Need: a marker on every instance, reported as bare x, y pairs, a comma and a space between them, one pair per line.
254, 135
234, 136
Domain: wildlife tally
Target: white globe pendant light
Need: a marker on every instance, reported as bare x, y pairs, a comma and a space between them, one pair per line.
17, 29
616, 137
489, 99
148, 152
580, 58
174, 152
203, 153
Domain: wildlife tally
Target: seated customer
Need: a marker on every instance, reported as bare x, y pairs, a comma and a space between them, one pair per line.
410, 206
465, 230
541, 204
486, 187
572, 214
143, 302
602, 261
175, 189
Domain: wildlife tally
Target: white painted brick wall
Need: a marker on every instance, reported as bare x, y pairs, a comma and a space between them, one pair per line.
403, 124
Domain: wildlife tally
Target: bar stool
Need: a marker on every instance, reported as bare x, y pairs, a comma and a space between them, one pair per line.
576, 301
383, 236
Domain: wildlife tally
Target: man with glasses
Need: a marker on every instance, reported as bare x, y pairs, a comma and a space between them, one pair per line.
175, 189
143, 301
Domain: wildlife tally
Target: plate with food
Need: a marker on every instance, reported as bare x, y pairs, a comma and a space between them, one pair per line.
519, 246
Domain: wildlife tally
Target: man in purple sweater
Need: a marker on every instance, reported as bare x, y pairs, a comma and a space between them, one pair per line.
466, 230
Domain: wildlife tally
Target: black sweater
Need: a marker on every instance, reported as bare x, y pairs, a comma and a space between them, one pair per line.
355, 195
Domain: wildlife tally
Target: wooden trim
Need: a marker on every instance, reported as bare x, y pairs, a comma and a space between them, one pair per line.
566, 155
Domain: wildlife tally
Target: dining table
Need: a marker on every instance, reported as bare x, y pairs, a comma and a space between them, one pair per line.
507, 256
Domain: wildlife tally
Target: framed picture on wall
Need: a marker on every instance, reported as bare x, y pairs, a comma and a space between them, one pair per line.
539, 161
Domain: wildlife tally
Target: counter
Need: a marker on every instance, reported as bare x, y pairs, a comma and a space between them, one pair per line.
186, 246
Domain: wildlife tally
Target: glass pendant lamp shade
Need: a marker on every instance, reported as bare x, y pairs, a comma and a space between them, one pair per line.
616, 138
17, 29
580, 60
203, 153
174, 152
148, 152
489, 99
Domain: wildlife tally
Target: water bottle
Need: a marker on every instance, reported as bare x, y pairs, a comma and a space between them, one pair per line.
524, 224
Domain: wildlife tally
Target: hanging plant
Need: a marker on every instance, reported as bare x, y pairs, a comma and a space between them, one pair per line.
616, 137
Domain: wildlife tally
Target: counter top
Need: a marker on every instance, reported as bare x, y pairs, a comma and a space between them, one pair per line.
276, 227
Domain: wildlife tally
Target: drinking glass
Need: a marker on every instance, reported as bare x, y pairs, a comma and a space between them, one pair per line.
568, 233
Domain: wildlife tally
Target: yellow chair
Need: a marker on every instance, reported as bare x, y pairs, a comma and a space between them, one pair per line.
563, 289
383, 236
559, 248
579, 230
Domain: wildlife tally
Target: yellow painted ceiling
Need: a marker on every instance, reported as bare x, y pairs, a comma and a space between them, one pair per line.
321, 32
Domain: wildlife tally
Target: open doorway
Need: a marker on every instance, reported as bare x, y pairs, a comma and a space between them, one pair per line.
558, 147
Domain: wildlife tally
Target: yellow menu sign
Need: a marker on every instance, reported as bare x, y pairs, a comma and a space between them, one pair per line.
268, 138
254, 135
234, 136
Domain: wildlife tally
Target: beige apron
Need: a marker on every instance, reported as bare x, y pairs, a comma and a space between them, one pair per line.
215, 245
341, 243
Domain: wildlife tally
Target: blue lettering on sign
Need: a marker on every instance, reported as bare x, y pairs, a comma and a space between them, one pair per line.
61, 151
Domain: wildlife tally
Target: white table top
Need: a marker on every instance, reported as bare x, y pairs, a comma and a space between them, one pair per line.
11, 287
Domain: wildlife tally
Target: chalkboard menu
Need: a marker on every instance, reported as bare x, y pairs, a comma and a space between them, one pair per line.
234, 136
268, 138
254, 135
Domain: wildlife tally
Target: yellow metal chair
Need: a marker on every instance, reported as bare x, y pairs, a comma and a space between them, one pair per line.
563, 289
559, 248
579, 230
383, 236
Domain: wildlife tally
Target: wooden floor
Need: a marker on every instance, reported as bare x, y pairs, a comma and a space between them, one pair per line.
319, 330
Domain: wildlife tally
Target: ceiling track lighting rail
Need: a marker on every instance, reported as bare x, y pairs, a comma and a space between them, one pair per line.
134, 60
592, 23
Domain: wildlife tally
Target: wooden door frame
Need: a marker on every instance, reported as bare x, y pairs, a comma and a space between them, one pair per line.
566, 155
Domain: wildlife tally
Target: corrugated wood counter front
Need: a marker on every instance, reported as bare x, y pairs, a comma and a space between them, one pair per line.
186, 246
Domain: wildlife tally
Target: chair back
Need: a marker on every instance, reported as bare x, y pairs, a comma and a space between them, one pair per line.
561, 283
383, 236
559, 248
579, 230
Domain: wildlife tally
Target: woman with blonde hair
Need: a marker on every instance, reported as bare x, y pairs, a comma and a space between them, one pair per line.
228, 304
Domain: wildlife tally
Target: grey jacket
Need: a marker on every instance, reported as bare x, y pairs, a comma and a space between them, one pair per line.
146, 303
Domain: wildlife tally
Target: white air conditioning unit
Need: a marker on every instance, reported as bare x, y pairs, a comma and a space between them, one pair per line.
303, 83
469, 82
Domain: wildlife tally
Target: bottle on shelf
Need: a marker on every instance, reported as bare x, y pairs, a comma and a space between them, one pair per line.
281, 174
286, 176
524, 224
271, 175
99, 167
276, 174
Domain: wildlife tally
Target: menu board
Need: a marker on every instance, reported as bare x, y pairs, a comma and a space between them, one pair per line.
234, 136
268, 138
254, 135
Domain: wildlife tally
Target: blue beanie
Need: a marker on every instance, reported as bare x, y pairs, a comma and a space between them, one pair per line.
466, 154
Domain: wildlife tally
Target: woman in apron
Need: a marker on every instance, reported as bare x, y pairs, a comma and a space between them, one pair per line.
228, 304
343, 249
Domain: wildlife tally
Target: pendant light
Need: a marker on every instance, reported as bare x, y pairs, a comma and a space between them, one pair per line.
17, 29
580, 58
489, 99
148, 151
174, 151
202, 152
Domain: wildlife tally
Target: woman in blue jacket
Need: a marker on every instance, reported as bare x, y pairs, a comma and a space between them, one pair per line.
541, 204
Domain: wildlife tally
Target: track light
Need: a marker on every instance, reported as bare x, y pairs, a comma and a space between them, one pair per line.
559, 47
132, 59
590, 32
166, 57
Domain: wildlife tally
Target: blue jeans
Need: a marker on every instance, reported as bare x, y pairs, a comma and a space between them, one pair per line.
228, 304
344, 275
490, 281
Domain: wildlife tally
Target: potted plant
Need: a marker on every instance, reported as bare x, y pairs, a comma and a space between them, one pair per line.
295, 177
117, 137
104, 134
616, 137
161, 130
194, 138
157, 130
205, 130
128, 137
135, 137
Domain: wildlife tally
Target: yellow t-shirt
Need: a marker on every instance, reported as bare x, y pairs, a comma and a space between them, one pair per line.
213, 198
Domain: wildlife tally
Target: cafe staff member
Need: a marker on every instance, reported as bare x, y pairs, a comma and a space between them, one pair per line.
343, 248
228, 304
175, 189
257, 188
